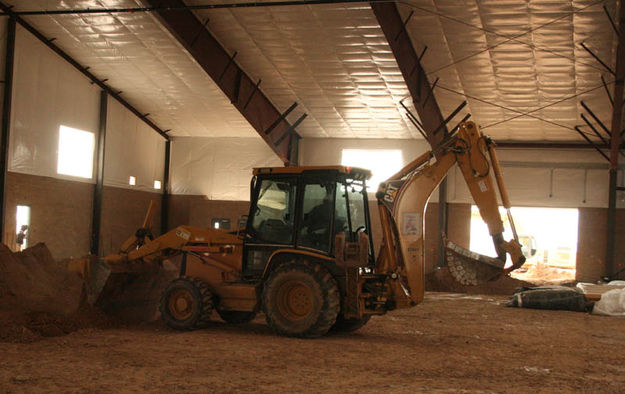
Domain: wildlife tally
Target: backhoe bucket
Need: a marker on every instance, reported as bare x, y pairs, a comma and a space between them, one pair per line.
470, 268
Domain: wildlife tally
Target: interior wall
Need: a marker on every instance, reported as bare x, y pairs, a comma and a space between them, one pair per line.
198, 211
123, 212
49, 92
132, 149
60, 213
218, 168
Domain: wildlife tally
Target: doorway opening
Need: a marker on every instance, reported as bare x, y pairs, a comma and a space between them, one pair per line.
22, 227
548, 236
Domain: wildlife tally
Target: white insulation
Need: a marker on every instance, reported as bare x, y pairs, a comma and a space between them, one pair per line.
47, 93
132, 149
218, 168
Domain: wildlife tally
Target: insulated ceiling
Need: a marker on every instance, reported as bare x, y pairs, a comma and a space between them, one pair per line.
139, 57
513, 57
506, 58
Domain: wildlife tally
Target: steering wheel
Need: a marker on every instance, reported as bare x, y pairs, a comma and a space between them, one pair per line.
359, 229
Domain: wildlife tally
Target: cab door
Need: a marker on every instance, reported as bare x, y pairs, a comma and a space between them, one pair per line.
271, 222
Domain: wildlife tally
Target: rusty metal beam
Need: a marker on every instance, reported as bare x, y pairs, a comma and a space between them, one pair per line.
243, 92
617, 120
409, 63
546, 145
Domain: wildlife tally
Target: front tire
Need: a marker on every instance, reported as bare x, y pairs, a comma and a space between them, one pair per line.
301, 299
186, 304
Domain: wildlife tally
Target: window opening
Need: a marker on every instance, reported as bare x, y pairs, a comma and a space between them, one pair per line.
221, 223
75, 155
382, 162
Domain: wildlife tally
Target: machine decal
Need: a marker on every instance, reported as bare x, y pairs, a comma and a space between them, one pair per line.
411, 223
183, 234
390, 193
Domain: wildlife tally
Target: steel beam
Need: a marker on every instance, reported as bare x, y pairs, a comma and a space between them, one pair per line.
99, 177
616, 126
414, 75
165, 185
546, 145
243, 92
6, 118
84, 70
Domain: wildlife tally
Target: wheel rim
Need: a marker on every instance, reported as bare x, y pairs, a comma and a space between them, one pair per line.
180, 304
295, 300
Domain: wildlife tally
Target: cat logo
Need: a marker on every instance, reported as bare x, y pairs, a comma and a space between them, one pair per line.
183, 234
390, 193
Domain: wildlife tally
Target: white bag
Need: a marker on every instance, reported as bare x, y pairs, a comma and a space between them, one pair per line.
612, 303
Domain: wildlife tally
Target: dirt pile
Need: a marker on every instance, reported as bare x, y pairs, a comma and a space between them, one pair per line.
33, 281
441, 280
39, 297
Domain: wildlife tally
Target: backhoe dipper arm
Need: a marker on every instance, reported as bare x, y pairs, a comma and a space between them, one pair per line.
403, 197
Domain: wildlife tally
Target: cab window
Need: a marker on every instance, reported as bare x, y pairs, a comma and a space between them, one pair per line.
274, 213
318, 205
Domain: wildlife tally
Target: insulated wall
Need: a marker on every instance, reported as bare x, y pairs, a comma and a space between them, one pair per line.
132, 149
218, 168
48, 93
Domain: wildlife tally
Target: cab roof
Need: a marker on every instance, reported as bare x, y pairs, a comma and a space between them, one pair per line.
354, 172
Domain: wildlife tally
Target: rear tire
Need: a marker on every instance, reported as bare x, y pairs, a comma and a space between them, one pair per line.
236, 317
186, 304
301, 299
350, 325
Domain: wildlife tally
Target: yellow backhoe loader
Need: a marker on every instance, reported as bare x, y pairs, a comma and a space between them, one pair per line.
306, 257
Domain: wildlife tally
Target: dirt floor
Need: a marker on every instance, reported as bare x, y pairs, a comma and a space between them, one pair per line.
451, 342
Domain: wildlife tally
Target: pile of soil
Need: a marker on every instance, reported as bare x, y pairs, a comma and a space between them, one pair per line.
442, 281
39, 297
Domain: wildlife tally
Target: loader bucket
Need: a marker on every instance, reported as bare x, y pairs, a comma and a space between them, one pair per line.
470, 268
129, 290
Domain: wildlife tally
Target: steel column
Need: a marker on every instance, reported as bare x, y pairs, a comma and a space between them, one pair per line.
99, 177
617, 117
243, 92
6, 118
165, 197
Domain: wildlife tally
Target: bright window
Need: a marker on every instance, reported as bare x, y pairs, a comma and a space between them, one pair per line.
548, 237
22, 226
75, 152
382, 162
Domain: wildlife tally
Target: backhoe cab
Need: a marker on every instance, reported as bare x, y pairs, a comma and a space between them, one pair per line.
306, 258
